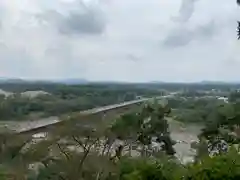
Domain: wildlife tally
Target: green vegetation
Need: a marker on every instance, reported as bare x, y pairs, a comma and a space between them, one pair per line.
194, 110
64, 99
123, 149
134, 146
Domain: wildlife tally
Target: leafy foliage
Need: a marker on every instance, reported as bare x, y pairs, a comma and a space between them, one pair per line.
219, 167
144, 126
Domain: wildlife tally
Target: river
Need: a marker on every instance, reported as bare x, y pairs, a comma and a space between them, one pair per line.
184, 134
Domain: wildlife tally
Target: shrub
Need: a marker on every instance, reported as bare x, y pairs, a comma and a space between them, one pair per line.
221, 167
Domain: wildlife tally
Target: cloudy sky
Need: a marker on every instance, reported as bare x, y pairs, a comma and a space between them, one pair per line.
123, 40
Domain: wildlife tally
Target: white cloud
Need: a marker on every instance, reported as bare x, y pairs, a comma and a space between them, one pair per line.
130, 40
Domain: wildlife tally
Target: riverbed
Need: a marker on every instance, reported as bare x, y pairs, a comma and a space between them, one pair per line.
184, 134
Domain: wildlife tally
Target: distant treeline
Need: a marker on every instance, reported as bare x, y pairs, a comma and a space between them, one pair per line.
65, 99
55, 87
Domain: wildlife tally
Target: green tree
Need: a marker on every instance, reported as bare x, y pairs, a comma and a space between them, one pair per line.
148, 169
145, 126
221, 167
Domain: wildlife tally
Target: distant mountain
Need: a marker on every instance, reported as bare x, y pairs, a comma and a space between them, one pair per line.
218, 82
11, 80
61, 81
79, 81
157, 82
71, 81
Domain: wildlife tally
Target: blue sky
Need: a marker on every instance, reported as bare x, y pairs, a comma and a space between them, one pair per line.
124, 40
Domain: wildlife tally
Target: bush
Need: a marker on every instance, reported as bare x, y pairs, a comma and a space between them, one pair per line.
147, 169
222, 167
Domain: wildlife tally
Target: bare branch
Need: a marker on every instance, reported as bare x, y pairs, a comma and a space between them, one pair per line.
63, 152
85, 155
83, 145
62, 178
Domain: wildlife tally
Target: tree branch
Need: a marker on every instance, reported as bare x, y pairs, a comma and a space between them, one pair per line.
85, 155
80, 143
63, 152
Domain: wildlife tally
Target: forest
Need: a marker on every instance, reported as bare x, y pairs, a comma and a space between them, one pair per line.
134, 146
62, 99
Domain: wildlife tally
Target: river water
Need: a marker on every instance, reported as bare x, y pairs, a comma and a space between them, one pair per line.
19, 126
184, 135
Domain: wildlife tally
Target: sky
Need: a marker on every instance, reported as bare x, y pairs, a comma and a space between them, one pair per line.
120, 40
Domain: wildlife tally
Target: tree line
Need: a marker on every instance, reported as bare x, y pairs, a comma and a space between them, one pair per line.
65, 99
